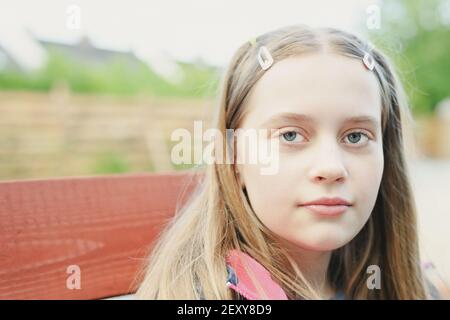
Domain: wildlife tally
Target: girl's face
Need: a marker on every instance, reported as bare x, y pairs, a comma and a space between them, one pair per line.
326, 109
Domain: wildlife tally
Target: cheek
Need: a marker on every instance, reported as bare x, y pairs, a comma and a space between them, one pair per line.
366, 180
271, 196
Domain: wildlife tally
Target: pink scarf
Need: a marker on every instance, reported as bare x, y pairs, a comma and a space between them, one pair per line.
240, 281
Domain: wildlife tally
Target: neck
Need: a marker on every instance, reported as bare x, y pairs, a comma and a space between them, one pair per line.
314, 267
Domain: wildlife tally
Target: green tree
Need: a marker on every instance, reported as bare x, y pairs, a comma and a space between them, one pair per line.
416, 35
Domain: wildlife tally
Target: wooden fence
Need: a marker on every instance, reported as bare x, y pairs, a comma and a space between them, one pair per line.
59, 134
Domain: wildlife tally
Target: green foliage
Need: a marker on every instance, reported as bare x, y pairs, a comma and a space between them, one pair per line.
415, 34
110, 162
113, 77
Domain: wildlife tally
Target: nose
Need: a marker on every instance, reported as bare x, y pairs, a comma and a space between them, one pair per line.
328, 165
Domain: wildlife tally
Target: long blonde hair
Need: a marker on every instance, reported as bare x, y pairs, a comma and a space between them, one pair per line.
188, 260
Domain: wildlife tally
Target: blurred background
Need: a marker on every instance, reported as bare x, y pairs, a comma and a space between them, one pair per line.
97, 87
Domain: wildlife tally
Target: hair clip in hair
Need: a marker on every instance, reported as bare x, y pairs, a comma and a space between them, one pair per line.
368, 61
264, 58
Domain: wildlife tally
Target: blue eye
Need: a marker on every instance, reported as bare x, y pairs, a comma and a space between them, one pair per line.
290, 136
355, 137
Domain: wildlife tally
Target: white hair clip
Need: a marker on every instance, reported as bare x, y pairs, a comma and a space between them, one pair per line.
264, 58
368, 61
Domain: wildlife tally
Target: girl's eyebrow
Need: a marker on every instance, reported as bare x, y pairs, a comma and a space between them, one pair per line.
298, 117
288, 117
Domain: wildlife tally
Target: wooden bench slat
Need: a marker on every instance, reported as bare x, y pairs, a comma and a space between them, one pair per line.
105, 225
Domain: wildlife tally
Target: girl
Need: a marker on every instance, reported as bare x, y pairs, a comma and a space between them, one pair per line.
337, 219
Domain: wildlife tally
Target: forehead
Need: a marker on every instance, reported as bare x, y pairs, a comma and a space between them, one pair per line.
323, 85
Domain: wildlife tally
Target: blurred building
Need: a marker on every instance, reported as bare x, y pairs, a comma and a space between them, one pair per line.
85, 52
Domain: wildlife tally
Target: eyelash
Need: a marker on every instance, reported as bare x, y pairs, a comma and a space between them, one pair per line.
362, 132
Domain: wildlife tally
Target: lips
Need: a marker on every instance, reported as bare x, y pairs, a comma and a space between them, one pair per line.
328, 206
328, 202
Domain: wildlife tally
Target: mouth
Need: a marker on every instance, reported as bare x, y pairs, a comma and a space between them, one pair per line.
325, 210
327, 206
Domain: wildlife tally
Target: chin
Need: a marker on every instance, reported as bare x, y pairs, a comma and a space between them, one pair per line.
326, 242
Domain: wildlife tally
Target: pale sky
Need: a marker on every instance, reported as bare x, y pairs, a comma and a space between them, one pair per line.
210, 29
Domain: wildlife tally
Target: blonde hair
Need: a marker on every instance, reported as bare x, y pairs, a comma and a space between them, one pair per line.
188, 260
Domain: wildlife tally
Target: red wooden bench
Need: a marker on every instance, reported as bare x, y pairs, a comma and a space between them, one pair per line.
102, 225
